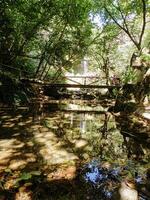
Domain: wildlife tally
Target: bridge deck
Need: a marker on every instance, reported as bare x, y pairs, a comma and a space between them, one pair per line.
65, 85
81, 86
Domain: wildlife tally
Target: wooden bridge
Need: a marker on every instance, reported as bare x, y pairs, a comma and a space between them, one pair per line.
83, 81
66, 85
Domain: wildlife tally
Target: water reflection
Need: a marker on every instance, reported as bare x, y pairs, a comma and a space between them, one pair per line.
83, 124
45, 139
105, 180
90, 130
134, 149
86, 134
94, 134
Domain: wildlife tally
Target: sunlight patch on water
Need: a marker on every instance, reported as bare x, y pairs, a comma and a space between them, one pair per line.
84, 107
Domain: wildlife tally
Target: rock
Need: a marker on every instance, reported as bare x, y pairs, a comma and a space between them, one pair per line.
126, 191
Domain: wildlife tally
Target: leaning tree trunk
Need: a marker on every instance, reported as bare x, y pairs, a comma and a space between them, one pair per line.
142, 80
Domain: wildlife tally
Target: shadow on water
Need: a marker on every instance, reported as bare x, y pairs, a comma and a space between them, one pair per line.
80, 151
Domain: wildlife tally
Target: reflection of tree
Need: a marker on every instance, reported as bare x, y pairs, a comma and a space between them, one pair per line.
135, 134
106, 143
133, 148
83, 124
104, 128
60, 131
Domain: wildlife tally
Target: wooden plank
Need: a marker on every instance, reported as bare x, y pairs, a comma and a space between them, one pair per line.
83, 111
80, 86
64, 85
81, 77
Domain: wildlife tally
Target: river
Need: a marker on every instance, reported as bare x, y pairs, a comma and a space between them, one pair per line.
70, 143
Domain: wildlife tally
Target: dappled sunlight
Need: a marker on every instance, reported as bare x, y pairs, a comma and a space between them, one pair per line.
6, 117
8, 125
15, 144
75, 100
80, 136
11, 155
17, 164
6, 143
65, 172
58, 143
8, 149
51, 148
31, 140
4, 158
80, 143
60, 138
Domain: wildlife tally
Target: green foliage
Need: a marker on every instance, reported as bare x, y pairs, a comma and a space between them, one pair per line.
27, 176
145, 57
128, 76
128, 16
38, 33
11, 90
38, 37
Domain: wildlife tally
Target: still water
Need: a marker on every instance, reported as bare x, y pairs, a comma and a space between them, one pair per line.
79, 137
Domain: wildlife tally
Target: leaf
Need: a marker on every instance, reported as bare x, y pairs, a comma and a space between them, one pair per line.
25, 176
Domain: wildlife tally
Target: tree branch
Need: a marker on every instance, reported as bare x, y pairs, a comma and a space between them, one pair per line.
144, 22
125, 29
54, 49
29, 56
124, 21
